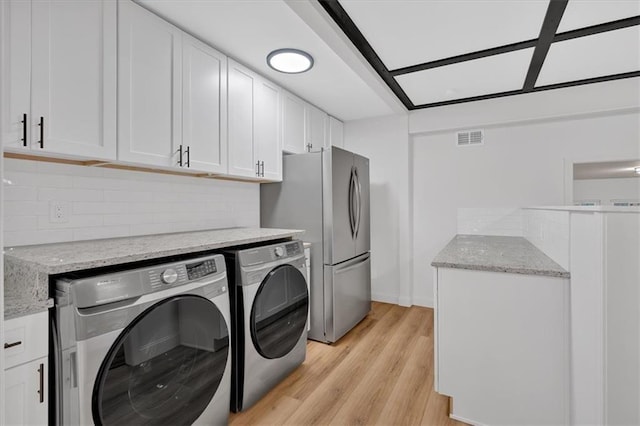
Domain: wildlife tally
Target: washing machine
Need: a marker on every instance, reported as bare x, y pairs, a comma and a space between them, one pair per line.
144, 346
269, 302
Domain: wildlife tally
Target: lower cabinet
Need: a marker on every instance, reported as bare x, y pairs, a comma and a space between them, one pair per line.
26, 394
26, 370
502, 347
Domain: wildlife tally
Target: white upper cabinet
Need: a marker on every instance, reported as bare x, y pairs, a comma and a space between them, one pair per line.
268, 131
59, 60
172, 95
149, 87
336, 132
294, 139
240, 115
316, 123
255, 149
204, 112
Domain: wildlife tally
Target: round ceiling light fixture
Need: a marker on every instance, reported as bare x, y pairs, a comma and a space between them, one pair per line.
290, 61
637, 170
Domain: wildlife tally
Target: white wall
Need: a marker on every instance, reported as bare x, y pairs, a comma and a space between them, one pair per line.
385, 142
606, 190
520, 164
106, 203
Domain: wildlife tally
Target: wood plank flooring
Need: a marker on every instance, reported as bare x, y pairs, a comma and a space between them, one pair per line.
380, 373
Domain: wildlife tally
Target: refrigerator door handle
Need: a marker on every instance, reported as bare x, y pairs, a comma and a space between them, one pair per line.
352, 222
358, 202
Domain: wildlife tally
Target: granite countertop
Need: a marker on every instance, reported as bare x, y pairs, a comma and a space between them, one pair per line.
497, 254
27, 268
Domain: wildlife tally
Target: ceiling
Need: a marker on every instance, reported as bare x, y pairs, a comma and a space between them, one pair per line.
248, 30
378, 57
440, 52
606, 170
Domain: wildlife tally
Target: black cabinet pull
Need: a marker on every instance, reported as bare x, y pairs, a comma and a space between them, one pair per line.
180, 156
309, 146
24, 130
11, 345
262, 172
258, 168
41, 390
41, 141
188, 156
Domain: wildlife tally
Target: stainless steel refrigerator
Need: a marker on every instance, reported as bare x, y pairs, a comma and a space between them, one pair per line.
327, 194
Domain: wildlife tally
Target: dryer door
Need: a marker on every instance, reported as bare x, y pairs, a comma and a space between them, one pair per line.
279, 312
165, 367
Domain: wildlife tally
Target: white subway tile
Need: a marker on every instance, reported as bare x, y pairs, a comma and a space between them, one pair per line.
82, 207
21, 223
19, 208
126, 219
19, 193
57, 194
75, 221
111, 196
81, 234
24, 238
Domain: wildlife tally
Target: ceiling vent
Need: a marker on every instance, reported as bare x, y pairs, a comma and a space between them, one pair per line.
471, 137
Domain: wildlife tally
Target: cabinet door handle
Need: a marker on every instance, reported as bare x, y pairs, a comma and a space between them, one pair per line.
24, 130
258, 168
180, 156
262, 165
188, 156
41, 390
309, 146
11, 345
41, 141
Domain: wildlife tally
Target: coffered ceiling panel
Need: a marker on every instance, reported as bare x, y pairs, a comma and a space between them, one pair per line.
585, 13
405, 33
439, 52
491, 74
609, 53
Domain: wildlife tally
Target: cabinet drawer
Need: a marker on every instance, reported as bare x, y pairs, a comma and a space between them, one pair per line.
25, 339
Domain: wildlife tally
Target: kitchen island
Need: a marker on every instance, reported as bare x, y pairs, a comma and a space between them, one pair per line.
27, 268
501, 331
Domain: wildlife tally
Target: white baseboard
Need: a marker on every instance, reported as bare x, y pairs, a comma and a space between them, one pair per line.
427, 302
385, 298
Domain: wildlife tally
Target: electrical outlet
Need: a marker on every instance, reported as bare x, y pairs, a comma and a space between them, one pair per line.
59, 211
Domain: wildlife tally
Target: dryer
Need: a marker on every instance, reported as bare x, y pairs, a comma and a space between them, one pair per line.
269, 303
145, 346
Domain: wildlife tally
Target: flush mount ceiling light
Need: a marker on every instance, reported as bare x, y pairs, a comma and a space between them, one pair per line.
637, 170
290, 61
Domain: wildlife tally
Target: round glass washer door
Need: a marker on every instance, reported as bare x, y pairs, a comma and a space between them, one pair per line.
279, 312
165, 367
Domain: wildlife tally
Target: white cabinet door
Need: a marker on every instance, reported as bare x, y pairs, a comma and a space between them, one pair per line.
294, 139
267, 130
242, 160
26, 394
16, 72
149, 87
74, 77
204, 106
316, 128
336, 132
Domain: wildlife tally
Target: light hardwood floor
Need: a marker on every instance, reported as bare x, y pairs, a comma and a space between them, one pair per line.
379, 373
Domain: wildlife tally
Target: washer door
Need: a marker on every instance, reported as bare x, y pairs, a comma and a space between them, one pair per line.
279, 312
165, 367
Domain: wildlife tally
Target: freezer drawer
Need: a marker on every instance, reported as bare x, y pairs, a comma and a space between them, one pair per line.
347, 295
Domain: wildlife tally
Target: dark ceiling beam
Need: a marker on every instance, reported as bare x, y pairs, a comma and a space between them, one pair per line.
340, 16
547, 33
536, 89
466, 57
597, 29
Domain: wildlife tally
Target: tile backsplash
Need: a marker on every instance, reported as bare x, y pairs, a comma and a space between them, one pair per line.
107, 203
503, 221
549, 230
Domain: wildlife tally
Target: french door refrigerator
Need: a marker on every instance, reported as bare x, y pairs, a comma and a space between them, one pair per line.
326, 193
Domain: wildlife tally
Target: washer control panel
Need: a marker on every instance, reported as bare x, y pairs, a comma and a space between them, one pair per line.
201, 269
169, 276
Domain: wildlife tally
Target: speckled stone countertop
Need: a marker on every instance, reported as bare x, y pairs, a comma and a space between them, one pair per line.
27, 268
497, 254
